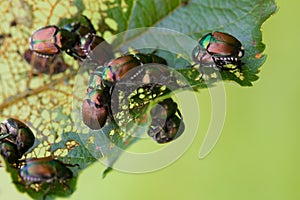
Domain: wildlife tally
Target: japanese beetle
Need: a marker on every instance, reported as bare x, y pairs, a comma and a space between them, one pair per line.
10, 152
88, 41
81, 48
76, 39
45, 170
220, 51
118, 67
50, 40
165, 125
96, 108
43, 41
17, 133
101, 54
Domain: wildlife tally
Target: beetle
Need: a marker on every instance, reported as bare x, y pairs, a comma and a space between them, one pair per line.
96, 108
219, 50
40, 170
77, 39
95, 48
51, 40
118, 67
18, 133
166, 125
88, 42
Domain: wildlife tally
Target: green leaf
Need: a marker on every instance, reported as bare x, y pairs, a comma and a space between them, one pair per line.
77, 153
136, 14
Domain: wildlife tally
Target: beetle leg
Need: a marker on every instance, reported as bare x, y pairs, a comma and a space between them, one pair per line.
109, 111
4, 136
12, 140
46, 192
67, 186
107, 105
72, 165
42, 55
179, 113
74, 55
221, 62
192, 65
90, 25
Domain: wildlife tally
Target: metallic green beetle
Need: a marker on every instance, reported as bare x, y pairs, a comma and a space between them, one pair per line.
219, 50
51, 40
118, 67
77, 39
95, 48
96, 108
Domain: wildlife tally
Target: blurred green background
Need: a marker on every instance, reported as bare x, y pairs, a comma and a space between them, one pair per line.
257, 155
